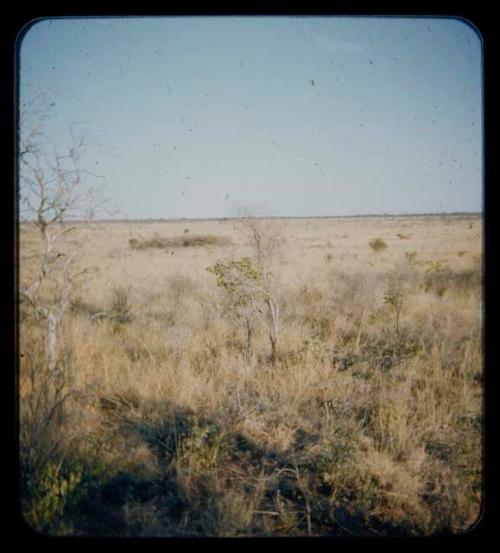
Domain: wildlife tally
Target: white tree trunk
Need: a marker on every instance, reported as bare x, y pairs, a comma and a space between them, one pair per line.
51, 345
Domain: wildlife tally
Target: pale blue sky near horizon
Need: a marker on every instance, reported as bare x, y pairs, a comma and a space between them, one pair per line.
194, 117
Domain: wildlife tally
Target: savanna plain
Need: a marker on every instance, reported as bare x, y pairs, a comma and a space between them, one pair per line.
257, 377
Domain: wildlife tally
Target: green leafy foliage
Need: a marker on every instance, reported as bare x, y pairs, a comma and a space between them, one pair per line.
49, 493
377, 244
234, 273
236, 277
202, 447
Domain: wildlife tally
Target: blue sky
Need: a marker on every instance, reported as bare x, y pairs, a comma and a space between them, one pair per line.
198, 116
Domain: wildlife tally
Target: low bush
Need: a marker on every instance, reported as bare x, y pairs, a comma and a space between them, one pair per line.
179, 242
120, 305
439, 280
377, 244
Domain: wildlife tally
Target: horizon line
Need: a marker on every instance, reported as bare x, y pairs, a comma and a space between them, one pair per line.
235, 217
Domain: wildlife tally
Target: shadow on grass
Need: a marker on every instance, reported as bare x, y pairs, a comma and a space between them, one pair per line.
200, 463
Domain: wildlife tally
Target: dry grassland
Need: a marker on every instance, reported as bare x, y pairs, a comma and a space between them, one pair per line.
367, 422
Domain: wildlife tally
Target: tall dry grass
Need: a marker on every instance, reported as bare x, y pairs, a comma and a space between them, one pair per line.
166, 427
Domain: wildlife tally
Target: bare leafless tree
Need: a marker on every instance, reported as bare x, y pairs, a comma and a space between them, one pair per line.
57, 204
55, 196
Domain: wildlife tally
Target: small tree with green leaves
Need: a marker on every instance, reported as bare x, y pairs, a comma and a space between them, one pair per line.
244, 282
393, 299
265, 236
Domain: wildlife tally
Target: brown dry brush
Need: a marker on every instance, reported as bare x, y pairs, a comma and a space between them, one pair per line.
366, 422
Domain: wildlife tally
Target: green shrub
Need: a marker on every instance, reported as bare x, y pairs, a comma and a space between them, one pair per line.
234, 275
50, 493
377, 244
202, 447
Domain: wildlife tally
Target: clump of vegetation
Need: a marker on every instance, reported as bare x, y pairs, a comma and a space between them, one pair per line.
377, 244
51, 494
411, 256
178, 242
440, 279
235, 276
121, 310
